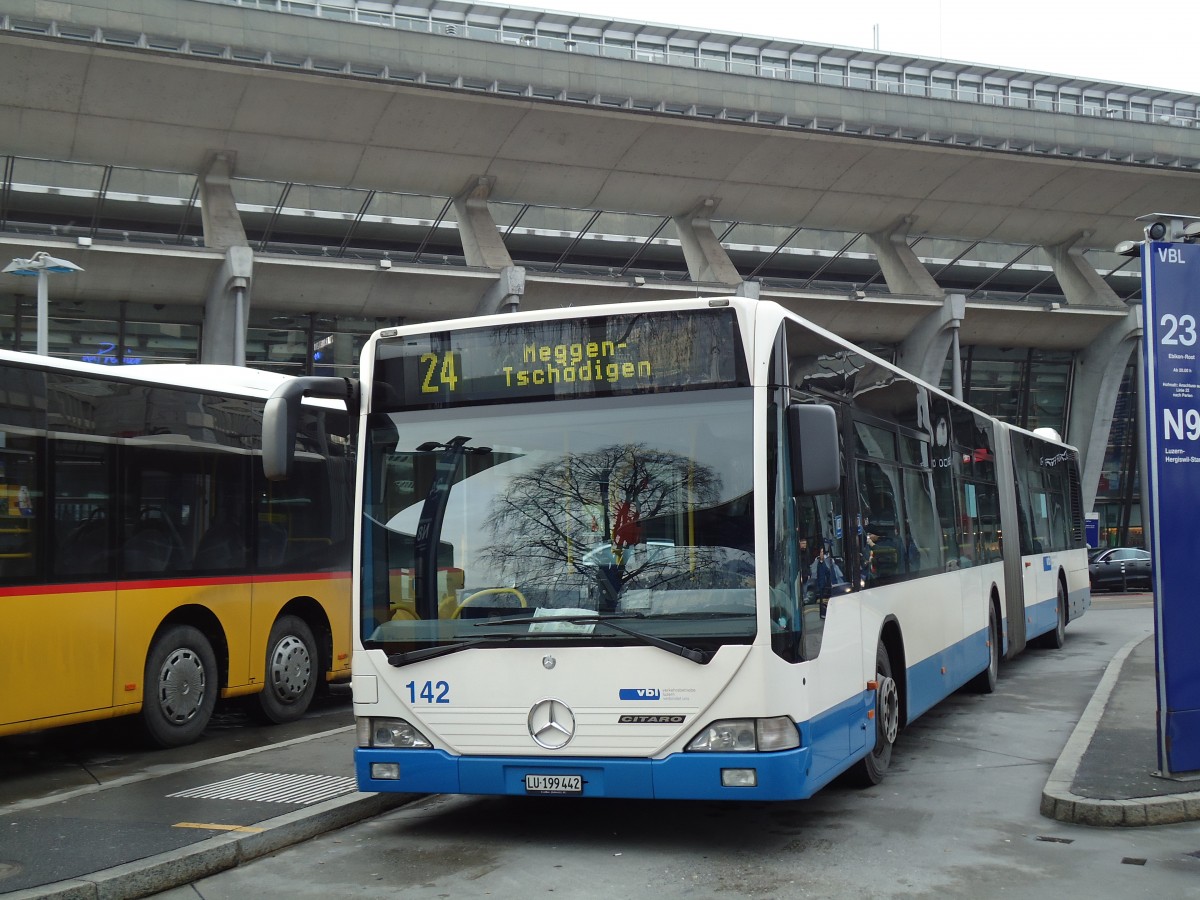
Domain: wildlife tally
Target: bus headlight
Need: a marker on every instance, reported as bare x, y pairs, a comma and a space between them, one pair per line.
779, 733
389, 733
736, 735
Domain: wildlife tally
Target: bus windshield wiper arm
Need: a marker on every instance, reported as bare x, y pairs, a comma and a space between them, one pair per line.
696, 656
412, 656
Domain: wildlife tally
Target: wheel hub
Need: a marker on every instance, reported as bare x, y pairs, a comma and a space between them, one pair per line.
181, 684
887, 708
291, 669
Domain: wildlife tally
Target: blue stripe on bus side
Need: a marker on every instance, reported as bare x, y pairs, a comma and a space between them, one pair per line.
1080, 601
1042, 616
941, 674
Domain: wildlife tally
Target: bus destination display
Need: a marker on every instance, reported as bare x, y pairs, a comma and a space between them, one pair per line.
562, 359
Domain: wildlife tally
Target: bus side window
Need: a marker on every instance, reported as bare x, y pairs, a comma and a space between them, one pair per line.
160, 487
923, 537
22, 507
83, 508
293, 522
882, 538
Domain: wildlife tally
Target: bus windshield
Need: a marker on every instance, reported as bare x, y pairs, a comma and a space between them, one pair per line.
526, 518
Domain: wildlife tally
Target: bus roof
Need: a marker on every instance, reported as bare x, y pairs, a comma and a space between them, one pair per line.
236, 380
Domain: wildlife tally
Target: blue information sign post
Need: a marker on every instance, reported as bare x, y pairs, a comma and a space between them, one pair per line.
1171, 351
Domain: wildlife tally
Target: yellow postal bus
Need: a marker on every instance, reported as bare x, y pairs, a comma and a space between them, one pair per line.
146, 566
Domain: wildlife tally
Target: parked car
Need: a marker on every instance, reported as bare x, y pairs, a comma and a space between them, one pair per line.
1120, 568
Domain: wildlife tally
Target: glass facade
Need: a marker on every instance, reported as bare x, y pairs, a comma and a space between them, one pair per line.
1119, 491
134, 334
1027, 387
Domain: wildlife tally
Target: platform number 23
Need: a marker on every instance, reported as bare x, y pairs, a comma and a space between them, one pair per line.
1181, 330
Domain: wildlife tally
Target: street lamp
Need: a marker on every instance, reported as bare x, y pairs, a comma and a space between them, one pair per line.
41, 264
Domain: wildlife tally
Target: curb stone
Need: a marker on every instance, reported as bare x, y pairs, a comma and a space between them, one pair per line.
1063, 805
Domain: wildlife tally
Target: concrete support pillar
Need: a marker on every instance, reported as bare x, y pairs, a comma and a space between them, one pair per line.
903, 272
484, 248
227, 310
218, 210
706, 258
924, 351
482, 244
1081, 284
1098, 371
227, 307
504, 295
750, 289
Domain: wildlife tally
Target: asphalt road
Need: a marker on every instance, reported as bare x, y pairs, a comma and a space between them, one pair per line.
957, 816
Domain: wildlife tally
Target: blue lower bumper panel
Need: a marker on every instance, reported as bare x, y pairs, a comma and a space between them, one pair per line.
783, 775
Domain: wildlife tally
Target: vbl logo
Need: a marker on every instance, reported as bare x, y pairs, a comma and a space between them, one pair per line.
641, 694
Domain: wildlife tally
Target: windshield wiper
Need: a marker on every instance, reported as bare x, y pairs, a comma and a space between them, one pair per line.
412, 656
696, 656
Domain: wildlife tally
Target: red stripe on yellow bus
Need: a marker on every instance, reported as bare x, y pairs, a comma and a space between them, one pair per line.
150, 583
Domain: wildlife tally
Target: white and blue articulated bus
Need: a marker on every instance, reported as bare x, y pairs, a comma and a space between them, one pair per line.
682, 549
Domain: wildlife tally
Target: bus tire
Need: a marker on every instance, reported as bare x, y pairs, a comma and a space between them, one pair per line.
293, 670
181, 687
985, 681
1054, 640
870, 769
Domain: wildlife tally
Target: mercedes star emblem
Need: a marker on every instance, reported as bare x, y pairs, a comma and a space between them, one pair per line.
551, 724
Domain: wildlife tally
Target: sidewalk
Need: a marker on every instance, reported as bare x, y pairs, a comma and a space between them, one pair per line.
177, 824
1105, 774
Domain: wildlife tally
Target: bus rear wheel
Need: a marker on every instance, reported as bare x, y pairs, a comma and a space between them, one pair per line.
180, 687
292, 671
1054, 640
985, 681
870, 770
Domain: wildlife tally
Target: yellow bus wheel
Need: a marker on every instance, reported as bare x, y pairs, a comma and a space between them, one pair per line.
181, 686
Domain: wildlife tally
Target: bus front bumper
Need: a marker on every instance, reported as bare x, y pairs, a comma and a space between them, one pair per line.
781, 775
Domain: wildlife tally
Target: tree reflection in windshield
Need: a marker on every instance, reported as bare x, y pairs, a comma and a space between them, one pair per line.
617, 517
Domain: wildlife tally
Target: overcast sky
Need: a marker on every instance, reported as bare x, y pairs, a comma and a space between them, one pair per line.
1153, 44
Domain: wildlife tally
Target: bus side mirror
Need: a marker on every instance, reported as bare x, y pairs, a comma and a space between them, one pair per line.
815, 448
279, 436
281, 418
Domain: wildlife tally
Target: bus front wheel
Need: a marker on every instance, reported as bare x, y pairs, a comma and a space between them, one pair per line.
292, 671
870, 770
181, 686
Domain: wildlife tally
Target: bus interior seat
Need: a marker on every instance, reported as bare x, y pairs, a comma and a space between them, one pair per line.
84, 550
272, 544
222, 546
149, 549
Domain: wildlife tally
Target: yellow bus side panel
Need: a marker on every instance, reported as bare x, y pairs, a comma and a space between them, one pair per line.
338, 600
56, 652
71, 655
